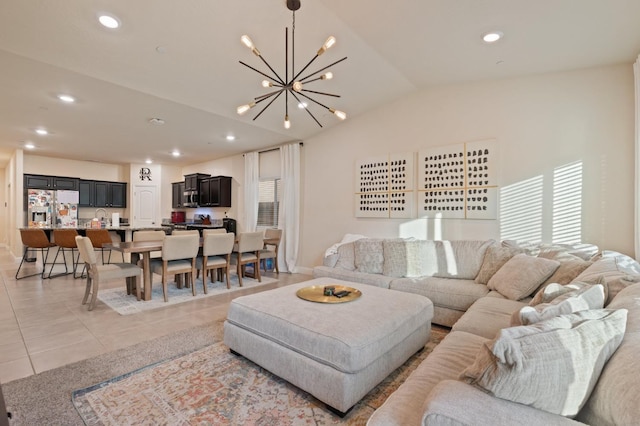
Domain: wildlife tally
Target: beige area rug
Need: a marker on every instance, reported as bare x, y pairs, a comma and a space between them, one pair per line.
118, 300
211, 386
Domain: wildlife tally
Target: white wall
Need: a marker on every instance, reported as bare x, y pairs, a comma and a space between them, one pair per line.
540, 122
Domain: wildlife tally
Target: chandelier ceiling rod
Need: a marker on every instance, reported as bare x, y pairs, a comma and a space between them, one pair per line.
291, 86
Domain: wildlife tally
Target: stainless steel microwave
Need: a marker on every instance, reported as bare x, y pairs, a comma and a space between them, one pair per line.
191, 199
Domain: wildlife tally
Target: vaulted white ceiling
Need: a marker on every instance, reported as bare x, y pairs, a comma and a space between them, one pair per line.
178, 61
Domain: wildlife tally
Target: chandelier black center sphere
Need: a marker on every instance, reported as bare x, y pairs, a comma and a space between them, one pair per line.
294, 83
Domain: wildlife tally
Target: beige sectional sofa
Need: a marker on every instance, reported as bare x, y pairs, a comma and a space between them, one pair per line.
457, 383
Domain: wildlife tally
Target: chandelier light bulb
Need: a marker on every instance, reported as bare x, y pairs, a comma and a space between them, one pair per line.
246, 40
297, 86
244, 108
340, 114
266, 83
327, 44
287, 123
327, 76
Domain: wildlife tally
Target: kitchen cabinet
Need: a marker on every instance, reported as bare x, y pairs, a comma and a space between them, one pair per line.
110, 194
192, 181
215, 192
102, 194
51, 182
177, 195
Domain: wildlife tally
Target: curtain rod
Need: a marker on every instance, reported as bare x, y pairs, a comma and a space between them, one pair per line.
274, 149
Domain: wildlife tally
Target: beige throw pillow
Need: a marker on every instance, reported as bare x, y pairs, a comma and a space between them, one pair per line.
346, 257
581, 297
494, 258
521, 275
552, 365
369, 253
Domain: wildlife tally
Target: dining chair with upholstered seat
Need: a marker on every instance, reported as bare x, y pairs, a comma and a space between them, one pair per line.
97, 274
271, 247
34, 239
247, 251
216, 255
147, 236
179, 253
99, 238
65, 240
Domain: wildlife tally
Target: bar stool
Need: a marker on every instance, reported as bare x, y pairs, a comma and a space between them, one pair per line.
34, 239
65, 239
100, 237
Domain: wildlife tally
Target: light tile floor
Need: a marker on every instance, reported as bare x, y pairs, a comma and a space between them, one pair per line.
43, 324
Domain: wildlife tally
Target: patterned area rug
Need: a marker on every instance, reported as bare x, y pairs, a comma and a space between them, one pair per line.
214, 387
118, 300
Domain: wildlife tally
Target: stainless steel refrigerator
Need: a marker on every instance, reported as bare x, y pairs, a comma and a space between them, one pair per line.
47, 209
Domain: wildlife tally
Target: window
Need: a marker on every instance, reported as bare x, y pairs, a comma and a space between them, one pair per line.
269, 202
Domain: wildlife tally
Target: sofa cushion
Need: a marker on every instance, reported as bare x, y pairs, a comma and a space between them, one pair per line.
570, 267
614, 400
377, 280
460, 259
405, 257
580, 297
521, 275
443, 292
369, 255
488, 315
346, 257
552, 365
617, 269
494, 258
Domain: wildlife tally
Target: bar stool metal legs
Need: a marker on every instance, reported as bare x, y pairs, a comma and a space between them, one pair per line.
34, 239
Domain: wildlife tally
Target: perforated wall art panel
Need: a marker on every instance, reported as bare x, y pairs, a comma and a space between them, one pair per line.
385, 186
458, 181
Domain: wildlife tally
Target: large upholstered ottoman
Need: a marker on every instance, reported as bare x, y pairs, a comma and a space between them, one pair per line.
336, 352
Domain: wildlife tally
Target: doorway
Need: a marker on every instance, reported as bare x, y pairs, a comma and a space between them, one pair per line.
145, 206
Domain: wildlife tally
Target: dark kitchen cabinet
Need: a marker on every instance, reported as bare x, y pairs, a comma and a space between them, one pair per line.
110, 194
177, 195
192, 181
54, 183
87, 196
215, 192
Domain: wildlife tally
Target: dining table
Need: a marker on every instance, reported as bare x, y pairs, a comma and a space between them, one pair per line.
144, 249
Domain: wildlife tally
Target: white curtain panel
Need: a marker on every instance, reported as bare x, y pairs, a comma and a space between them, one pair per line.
636, 73
251, 191
289, 214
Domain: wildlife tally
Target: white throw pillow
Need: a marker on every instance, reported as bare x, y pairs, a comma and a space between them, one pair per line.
369, 254
580, 297
346, 257
521, 275
552, 365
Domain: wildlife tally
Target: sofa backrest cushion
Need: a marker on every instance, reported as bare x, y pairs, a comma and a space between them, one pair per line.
406, 257
619, 271
521, 275
369, 255
460, 259
346, 257
494, 258
552, 365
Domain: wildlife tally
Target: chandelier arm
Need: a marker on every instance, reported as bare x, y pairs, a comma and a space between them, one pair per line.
267, 95
261, 73
272, 70
314, 101
305, 67
322, 69
307, 109
268, 105
321, 93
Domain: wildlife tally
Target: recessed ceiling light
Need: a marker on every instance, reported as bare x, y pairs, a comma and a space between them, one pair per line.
66, 98
156, 121
231, 138
492, 37
109, 21
42, 132
175, 153
149, 161
29, 145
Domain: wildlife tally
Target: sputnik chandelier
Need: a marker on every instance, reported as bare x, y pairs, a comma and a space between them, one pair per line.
293, 83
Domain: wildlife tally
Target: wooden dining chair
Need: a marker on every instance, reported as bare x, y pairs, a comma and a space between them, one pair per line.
216, 256
34, 239
179, 253
247, 251
271, 248
99, 273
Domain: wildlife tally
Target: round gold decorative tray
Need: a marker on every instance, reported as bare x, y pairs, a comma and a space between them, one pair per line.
315, 293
